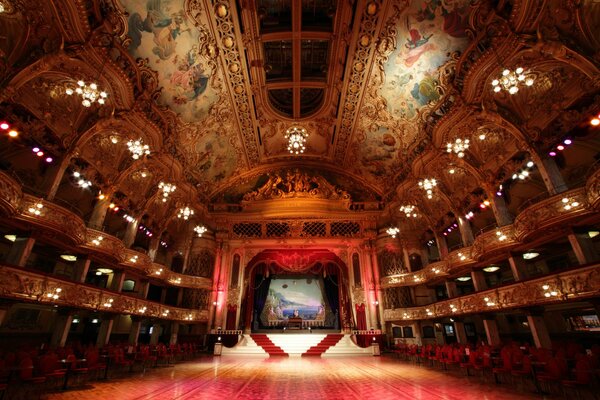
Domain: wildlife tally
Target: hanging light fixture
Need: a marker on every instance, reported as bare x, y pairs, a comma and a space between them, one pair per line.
296, 137
409, 211
200, 229
511, 80
458, 147
138, 148
185, 213
167, 189
428, 185
392, 231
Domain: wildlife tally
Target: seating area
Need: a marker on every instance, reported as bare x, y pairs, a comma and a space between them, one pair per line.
30, 372
568, 369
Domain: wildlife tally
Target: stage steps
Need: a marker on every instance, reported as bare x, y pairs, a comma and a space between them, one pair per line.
346, 347
296, 344
326, 343
268, 345
245, 347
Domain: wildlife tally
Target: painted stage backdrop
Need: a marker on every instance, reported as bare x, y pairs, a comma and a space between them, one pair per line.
301, 297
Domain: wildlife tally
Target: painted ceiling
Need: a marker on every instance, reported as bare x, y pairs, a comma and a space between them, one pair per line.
415, 42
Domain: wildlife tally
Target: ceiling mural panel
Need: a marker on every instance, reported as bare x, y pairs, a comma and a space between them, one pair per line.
416, 44
161, 31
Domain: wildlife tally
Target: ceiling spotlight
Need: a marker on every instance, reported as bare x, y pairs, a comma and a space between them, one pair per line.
595, 121
13, 133
491, 268
530, 255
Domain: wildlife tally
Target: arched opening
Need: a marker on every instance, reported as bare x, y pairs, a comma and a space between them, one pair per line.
296, 289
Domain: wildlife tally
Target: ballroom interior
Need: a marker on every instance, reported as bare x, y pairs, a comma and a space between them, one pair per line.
299, 199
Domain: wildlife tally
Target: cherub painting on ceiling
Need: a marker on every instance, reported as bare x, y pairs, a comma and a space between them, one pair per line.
428, 32
161, 32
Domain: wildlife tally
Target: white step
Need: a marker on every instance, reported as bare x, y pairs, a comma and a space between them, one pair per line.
296, 344
346, 347
245, 347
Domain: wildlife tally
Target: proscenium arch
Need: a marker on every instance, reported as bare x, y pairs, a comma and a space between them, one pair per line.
310, 258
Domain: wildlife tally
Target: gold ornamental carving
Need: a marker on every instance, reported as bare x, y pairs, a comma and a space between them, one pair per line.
25, 285
575, 284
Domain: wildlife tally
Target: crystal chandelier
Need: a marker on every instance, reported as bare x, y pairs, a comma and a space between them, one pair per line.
458, 147
200, 229
138, 148
90, 93
167, 189
296, 138
409, 210
185, 213
511, 80
428, 185
392, 231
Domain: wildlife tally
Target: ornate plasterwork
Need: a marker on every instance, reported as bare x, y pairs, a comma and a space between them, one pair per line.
25, 285
296, 184
58, 222
575, 284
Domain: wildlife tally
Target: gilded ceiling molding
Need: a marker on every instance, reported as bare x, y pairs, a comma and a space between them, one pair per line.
576, 284
226, 29
27, 285
361, 55
73, 21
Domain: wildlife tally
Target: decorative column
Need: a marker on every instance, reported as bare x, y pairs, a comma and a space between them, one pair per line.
466, 233
441, 244
156, 332
174, 332
105, 330
131, 232
461, 333
378, 304
100, 210
82, 266
479, 282
58, 175
223, 286
501, 213
451, 289
143, 289
583, 248
214, 311
539, 331
117, 281
134, 332
62, 325
20, 251
551, 175
417, 333
517, 266
491, 332
153, 248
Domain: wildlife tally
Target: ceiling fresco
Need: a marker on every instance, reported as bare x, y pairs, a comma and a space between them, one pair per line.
420, 39
161, 31
184, 54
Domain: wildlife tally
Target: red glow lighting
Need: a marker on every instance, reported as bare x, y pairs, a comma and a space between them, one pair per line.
40, 153
560, 147
552, 154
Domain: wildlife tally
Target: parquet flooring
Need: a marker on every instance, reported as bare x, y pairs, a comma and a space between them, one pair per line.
310, 378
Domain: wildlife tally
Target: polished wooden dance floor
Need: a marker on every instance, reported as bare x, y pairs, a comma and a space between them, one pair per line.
294, 378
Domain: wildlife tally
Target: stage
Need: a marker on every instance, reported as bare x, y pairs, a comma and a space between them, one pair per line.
294, 378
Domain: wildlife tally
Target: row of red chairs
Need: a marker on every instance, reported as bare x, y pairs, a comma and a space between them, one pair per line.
29, 372
569, 368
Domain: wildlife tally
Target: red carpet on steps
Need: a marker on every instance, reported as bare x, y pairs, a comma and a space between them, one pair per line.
327, 342
266, 343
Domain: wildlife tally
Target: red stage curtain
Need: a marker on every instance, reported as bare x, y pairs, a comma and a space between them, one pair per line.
361, 325
231, 312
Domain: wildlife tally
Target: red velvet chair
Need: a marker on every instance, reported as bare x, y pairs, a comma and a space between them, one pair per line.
582, 378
